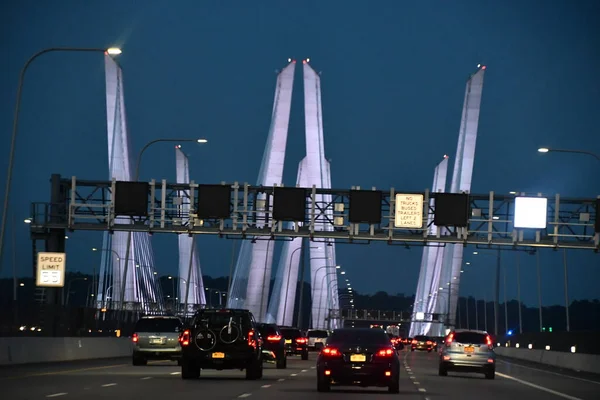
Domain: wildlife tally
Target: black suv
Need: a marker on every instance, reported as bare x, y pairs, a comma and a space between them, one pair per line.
221, 339
295, 342
273, 345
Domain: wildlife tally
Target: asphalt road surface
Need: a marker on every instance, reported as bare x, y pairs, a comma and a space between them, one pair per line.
117, 379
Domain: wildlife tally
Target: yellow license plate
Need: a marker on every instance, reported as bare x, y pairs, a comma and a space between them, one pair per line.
288, 341
358, 358
469, 349
218, 355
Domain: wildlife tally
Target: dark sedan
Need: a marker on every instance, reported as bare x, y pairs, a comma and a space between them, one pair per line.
363, 357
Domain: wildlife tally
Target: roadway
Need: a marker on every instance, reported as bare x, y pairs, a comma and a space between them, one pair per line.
118, 379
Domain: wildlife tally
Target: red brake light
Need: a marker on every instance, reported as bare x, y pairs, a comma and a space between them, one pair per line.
251, 340
273, 338
301, 340
184, 339
331, 352
385, 353
450, 338
134, 337
488, 340
414, 341
428, 342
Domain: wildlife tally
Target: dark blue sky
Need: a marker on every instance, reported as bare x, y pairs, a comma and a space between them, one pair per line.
393, 76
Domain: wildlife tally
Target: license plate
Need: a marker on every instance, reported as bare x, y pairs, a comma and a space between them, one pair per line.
469, 349
358, 358
218, 355
156, 341
288, 341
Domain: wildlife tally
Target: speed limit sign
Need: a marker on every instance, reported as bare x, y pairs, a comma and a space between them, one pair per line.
51, 269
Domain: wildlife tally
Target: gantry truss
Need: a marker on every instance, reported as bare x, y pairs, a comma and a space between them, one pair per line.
90, 206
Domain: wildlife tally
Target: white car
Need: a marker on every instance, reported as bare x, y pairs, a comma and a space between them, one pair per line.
317, 338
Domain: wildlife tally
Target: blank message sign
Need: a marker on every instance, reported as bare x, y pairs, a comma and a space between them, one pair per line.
531, 212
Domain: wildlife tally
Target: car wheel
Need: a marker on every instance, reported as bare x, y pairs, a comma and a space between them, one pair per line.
429, 351
394, 386
412, 349
323, 385
179, 362
189, 370
137, 361
282, 362
442, 371
490, 374
305, 355
255, 369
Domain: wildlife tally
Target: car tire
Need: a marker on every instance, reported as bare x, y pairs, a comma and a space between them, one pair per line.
254, 371
442, 371
323, 385
429, 351
490, 374
282, 362
138, 361
179, 363
412, 349
304, 355
394, 386
189, 370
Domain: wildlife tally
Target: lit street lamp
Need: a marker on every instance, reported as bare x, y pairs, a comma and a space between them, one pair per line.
548, 150
11, 155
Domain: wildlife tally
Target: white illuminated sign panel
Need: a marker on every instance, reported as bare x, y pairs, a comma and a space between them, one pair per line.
409, 211
420, 316
51, 270
531, 212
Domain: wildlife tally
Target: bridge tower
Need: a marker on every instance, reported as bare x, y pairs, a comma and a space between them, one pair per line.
431, 264
251, 280
141, 288
190, 282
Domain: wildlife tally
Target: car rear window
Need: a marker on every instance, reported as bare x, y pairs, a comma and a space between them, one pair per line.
218, 319
470, 338
268, 330
291, 333
318, 334
158, 325
421, 338
359, 337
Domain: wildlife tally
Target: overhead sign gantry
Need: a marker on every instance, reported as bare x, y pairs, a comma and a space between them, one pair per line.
353, 216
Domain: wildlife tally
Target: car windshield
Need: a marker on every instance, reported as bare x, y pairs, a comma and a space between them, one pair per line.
291, 333
158, 325
317, 334
470, 338
358, 336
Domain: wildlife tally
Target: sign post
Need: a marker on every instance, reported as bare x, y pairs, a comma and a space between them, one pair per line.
409, 211
51, 269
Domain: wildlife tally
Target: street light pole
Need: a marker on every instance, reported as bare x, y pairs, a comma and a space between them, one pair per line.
589, 153
11, 155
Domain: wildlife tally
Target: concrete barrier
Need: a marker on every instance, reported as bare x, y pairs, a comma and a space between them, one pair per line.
573, 361
27, 350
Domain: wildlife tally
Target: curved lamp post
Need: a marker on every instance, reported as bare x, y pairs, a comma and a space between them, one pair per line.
114, 51
548, 150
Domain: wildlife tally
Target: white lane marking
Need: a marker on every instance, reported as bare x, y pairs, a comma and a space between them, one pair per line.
265, 386
549, 372
56, 394
313, 367
280, 380
146, 378
304, 370
416, 383
241, 396
293, 374
422, 390
175, 373
533, 385
412, 377
109, 384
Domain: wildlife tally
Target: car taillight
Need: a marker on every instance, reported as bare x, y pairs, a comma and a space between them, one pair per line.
184, 339
489, 342
251, 340
135, 338
385, 353
429, 342
414, 341
301, 340
274, 338
331, 352
450, 338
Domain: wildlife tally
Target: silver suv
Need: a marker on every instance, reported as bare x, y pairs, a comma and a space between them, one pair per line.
468, 351
156, 338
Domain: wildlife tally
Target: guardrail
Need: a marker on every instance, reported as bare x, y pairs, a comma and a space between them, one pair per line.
573, 361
